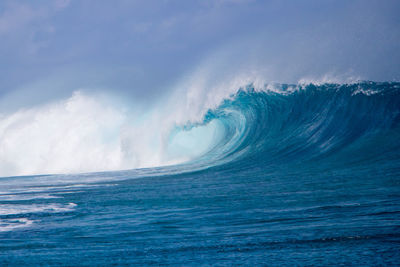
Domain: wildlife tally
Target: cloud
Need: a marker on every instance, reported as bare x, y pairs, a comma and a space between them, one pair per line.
61, 4
17, 16
141, 27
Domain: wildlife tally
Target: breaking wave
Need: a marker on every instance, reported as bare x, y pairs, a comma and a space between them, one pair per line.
264, 125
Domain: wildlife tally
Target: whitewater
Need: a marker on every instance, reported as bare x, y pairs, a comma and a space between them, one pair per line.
246, 172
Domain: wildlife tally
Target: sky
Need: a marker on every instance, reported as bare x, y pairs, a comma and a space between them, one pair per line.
143, 49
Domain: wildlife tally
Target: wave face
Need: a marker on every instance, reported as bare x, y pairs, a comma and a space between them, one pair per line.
275, 175
328, 123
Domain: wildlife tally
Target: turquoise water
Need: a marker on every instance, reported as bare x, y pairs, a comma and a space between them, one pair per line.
308, 175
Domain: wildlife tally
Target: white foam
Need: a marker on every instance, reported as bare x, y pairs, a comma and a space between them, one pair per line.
17, 209
72, 135
12, 224
17, 197
367, 92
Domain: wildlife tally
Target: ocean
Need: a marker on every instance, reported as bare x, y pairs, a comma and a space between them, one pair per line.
298, 175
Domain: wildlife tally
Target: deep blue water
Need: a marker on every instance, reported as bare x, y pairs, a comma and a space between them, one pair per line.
309, 175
